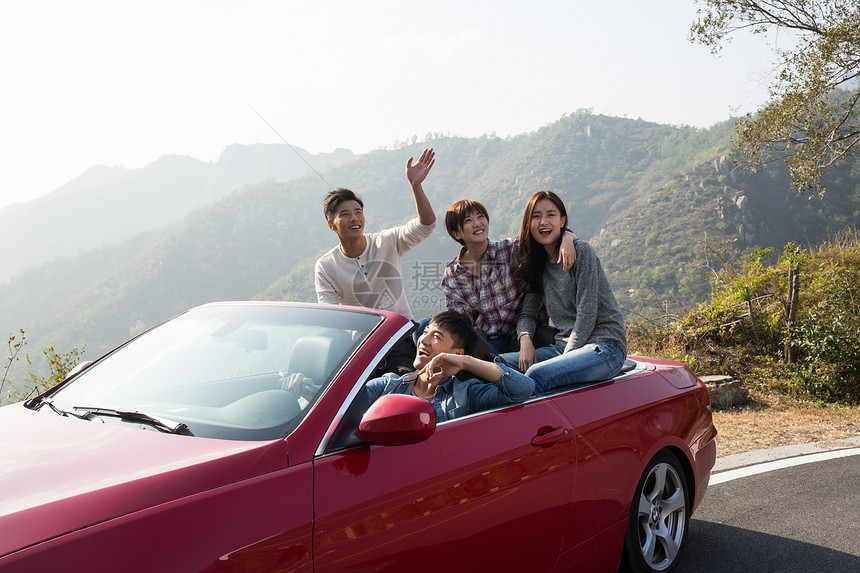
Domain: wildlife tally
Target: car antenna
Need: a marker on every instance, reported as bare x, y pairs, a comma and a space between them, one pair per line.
293, 148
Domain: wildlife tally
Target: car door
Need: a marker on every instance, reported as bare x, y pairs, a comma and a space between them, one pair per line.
490, 491
616, 423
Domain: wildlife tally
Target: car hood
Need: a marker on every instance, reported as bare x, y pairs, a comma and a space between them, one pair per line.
59, 474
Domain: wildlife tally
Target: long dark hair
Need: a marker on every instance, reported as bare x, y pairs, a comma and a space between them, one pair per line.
531, 256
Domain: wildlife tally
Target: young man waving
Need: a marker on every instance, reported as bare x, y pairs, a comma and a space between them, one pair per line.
365, 269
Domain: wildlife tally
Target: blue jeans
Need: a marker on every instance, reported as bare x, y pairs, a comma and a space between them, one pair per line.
554, 367
500, 345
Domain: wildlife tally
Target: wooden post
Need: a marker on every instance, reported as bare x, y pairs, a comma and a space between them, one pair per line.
793, 297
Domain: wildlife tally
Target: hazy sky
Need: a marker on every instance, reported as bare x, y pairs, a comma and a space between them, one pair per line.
123, 83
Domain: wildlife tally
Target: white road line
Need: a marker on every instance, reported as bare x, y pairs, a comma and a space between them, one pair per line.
780, 464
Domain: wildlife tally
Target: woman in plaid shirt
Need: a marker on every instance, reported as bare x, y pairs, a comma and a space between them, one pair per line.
480, 281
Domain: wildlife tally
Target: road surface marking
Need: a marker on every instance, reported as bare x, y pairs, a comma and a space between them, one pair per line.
780, 464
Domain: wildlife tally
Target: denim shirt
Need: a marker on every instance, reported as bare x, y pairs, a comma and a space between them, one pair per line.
457, 398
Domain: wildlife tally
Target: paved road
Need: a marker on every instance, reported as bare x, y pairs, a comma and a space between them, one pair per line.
800, 518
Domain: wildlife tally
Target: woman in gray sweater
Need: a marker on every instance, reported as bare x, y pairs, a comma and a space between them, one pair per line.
592, 342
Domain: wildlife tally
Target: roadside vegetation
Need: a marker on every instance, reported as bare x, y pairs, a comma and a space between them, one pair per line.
58, 364
783, 323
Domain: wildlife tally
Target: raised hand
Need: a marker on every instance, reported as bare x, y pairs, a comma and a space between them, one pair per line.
418, 172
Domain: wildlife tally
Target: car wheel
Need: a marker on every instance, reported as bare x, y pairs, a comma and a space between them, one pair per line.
657, 525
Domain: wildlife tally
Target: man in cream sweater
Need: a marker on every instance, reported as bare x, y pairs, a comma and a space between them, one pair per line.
365, 269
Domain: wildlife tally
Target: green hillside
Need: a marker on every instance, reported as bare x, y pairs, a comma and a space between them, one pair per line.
662, 253
661, 204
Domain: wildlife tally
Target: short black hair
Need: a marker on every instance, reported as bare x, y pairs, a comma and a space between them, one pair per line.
458, 212
334, 198
458, 326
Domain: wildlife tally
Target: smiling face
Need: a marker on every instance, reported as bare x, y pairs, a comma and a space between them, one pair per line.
348, 221
474, 230
546, 224
434, 341
468, 222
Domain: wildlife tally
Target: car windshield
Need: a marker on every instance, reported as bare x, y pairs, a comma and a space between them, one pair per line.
241, 371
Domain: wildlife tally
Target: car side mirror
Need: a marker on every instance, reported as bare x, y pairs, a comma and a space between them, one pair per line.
397, 420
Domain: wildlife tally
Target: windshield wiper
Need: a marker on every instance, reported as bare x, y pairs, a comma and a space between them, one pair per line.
50, 403
161, 424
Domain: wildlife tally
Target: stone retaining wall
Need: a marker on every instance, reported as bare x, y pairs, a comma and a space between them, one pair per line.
725, 391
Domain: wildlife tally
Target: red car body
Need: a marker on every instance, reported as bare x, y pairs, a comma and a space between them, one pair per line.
546, 485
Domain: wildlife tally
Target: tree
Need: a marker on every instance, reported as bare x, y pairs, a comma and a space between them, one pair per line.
59, 365
14, 344
813, 119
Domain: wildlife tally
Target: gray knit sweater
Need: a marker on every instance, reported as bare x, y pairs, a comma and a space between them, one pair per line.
580, 303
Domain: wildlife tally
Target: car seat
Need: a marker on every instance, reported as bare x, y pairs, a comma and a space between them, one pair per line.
316, 357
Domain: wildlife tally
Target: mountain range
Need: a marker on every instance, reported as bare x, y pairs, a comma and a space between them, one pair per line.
105, 204
663, 205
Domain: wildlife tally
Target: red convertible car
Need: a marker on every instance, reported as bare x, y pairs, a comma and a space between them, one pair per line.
182, 450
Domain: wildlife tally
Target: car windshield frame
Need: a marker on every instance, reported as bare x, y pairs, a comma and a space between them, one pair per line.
237, 371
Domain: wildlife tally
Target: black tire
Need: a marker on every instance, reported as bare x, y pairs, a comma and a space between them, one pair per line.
659, 517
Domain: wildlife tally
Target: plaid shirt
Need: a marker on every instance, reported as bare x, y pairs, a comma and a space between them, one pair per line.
493, 299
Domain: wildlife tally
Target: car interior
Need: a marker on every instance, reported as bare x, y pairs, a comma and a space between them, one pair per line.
344, 435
